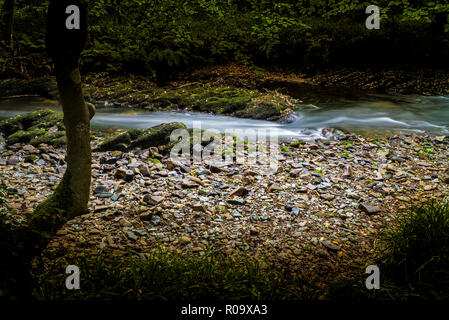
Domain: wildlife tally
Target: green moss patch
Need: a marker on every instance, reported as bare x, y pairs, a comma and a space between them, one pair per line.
43, 126
208, 97
157, 136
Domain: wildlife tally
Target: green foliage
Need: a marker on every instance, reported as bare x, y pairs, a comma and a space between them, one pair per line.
162, 37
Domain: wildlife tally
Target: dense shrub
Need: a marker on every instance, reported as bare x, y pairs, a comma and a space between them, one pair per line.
162, 37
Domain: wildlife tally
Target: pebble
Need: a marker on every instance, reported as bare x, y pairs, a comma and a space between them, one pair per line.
132, 235
153, 200
185, 239
237, 201
229, 206
101, 189
240, 191
369, 209
331, 246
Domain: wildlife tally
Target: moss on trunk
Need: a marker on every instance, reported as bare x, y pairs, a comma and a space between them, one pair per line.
51, 214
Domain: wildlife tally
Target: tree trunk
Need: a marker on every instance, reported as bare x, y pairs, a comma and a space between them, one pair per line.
77, 122
7, 24
21, 241
71, 197
72, 194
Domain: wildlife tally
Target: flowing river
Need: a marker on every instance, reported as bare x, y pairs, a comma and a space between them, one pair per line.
368, 114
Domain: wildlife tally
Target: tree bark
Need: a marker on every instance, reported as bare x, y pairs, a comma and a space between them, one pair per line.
71, 197
77, 122
21, 241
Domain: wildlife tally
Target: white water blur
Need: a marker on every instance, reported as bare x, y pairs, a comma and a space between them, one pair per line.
389, 113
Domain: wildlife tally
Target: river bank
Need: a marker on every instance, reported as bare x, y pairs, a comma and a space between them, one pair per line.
320, 212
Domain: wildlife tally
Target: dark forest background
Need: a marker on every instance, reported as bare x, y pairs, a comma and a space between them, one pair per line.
162, 37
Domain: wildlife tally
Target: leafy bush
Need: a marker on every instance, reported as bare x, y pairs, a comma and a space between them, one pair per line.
162, 37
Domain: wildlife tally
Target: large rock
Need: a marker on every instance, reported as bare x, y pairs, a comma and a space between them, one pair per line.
136, 138
262, 111
157, 136
121, 141
43, 126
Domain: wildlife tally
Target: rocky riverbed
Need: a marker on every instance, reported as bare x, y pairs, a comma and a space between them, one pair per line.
324, 206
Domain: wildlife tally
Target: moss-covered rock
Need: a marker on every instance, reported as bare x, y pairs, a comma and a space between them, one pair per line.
208, 97
57, 139
119, 142
261, 111
23, 136
44, 126
157, 136
41, 118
